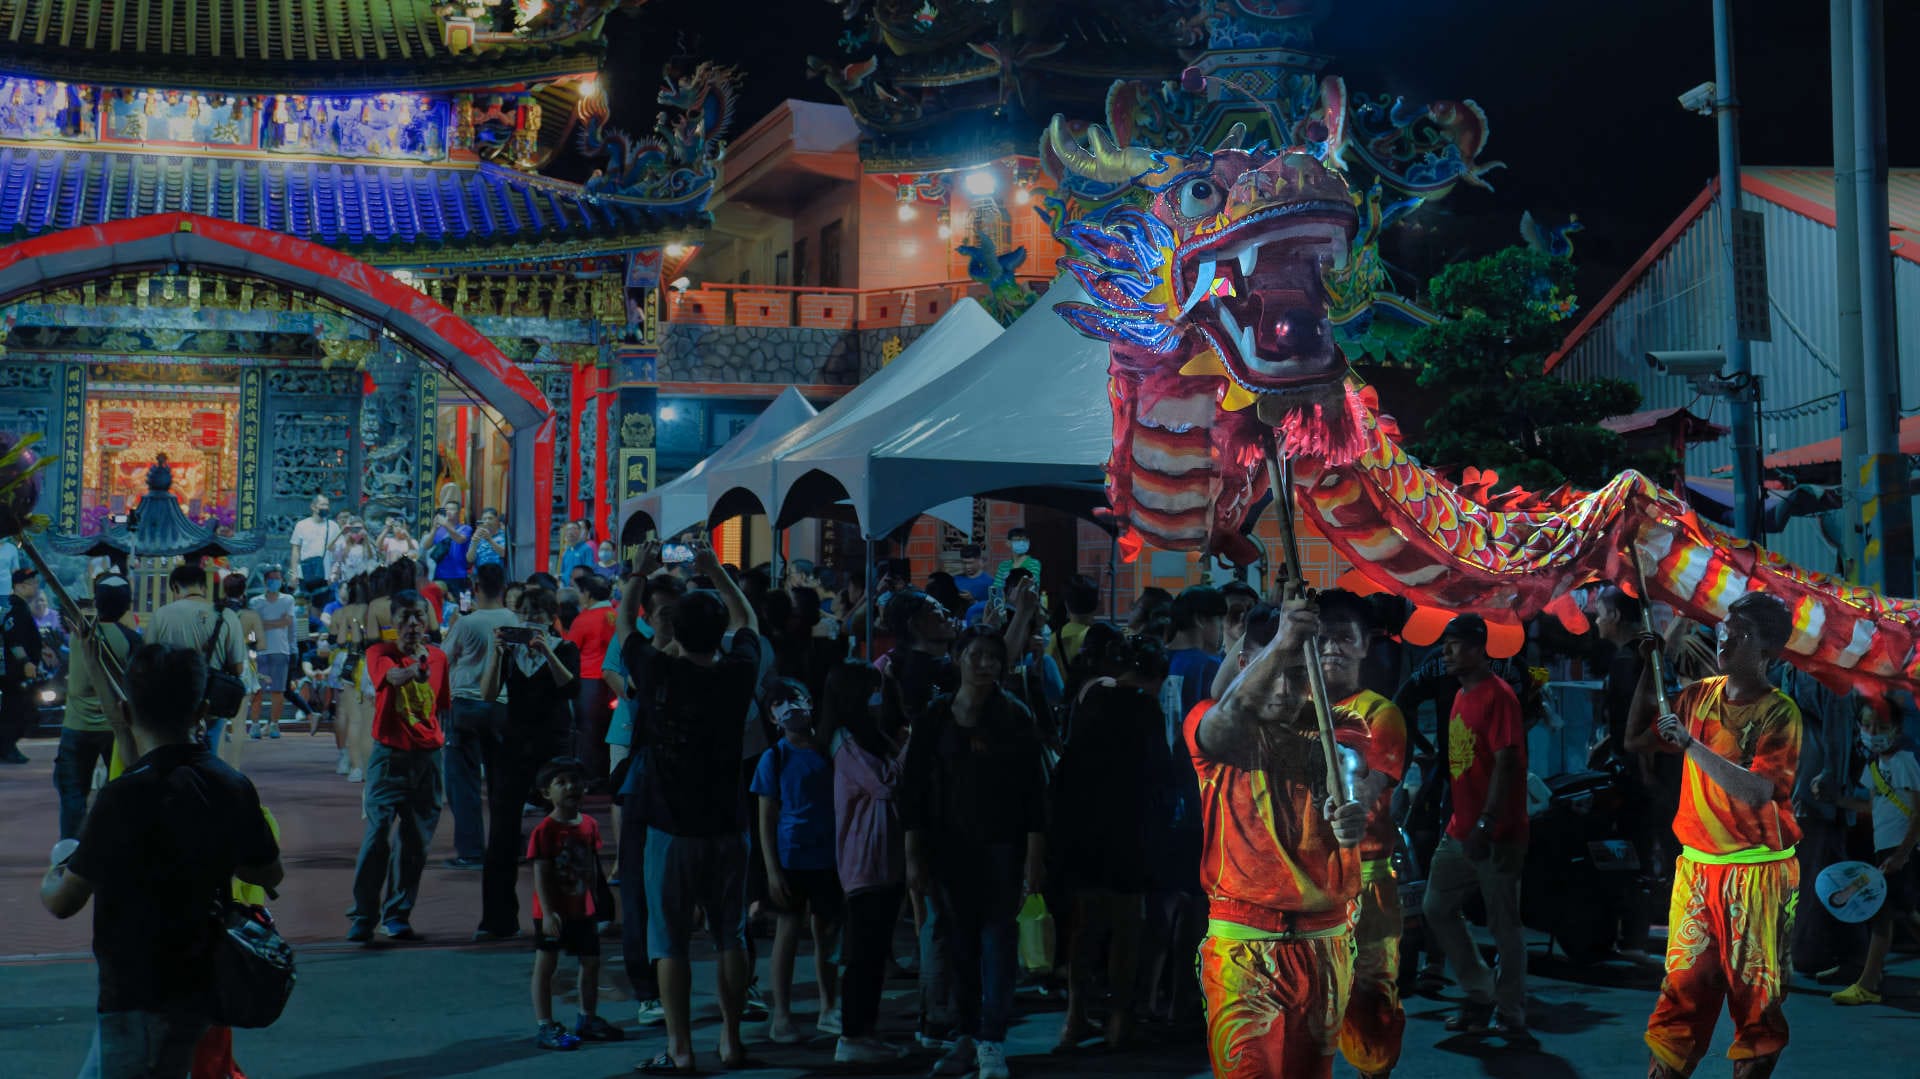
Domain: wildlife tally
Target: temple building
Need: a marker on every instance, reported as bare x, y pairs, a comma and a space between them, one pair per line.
308, 249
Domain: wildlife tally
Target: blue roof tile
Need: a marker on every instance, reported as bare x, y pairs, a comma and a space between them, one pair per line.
353, 206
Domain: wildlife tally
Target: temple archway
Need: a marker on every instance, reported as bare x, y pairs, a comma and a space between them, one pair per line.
440, 337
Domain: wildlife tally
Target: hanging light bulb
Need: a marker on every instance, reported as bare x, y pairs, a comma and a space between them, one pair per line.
907, 212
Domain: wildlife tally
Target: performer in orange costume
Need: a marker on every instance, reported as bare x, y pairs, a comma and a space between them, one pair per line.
1737, 879
1280, 865
1370, 1034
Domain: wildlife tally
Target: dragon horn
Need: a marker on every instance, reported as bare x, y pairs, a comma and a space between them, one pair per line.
1236, 138
1101, 159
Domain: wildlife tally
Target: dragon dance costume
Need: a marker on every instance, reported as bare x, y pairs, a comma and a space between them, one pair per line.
1277, 963
1374, 1023
1734, 888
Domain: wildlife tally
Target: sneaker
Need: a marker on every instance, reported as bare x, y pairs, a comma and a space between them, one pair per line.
829, 1022
465, 863
926, 1039
652, 1013
356, 776
396, 929
359, 933
755, 1010
592, 1028
273, 730
250, 733
1856, 994
960, 1059
993, 1060
13, 756
342, 766
1505, 1026
1470, 1019
554, 1036
866, 1051
782, 1033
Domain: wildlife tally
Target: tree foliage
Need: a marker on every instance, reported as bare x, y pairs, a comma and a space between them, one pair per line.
1503, 315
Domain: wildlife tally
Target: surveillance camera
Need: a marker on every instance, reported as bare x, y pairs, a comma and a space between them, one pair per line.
1699, 99
1696, 364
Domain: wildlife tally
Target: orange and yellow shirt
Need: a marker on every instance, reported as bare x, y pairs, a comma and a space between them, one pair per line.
1269, 860
1387, 754
1762, 736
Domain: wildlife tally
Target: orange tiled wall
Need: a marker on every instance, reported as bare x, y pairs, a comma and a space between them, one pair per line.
896, 253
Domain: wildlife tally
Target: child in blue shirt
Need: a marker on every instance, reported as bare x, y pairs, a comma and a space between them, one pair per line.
794, 782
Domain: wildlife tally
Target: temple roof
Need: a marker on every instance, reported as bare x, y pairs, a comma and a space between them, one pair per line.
385, 214
277, 46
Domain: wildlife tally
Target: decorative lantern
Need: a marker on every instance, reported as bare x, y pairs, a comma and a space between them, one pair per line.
116, 430
209, 430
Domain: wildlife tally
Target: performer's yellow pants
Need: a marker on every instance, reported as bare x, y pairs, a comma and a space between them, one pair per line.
1727, 938
1370, 1034
1274, 1006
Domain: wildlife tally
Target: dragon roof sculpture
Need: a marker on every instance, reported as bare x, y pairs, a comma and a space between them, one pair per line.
1212, 276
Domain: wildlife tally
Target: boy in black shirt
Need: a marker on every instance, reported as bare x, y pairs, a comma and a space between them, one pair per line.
159, 844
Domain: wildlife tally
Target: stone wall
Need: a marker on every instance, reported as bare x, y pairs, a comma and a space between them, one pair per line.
776, 356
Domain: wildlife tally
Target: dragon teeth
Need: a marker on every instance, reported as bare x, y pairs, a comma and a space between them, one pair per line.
1249, 255
1202, 287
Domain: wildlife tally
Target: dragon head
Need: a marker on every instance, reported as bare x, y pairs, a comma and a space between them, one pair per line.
1221, 251
1208, 274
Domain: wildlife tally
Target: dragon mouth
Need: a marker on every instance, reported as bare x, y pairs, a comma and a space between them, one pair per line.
1255, 289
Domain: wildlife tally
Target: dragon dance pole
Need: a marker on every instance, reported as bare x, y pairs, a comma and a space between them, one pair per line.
1280, 479
1646, 623
108, 663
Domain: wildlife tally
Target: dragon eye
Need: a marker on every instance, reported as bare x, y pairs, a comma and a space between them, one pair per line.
1200, 198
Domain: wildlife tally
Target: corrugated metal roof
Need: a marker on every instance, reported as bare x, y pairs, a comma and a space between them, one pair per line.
1671, 300
1808, 192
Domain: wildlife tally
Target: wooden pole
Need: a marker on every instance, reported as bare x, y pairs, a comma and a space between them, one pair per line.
1646, 623
1279, 479
104, 658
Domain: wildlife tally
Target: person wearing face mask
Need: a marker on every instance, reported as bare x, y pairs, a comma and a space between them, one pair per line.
607, 562
1019, 543
1889, 790
1737, 876
273, 653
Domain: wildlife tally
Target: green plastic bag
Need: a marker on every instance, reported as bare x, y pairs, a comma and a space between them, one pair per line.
1036, 935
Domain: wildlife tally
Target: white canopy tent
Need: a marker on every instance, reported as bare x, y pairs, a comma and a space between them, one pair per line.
752, 482
682, 503
1025, 415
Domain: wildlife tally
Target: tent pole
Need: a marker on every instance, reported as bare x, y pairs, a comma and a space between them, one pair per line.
867, 591
1113, 580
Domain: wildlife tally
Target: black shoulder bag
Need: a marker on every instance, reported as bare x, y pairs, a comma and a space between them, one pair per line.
225, 692
252, 966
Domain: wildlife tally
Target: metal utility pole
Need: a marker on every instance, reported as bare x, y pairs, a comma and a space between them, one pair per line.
1847, 355
1888, 513
1726, 111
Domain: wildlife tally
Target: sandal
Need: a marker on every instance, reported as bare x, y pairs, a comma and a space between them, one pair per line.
743, 1062
664, 1065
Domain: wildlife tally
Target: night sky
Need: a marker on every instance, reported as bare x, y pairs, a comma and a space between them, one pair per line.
1580, 97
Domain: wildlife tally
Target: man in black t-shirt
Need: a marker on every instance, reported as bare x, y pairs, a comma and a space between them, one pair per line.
160, 843
688, 730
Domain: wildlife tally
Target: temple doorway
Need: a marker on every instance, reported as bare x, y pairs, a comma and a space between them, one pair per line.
136, 412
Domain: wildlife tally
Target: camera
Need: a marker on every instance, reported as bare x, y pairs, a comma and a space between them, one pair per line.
1688, 364
517, 634
1699, 99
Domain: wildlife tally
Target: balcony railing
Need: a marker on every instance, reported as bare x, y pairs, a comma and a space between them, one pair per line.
775, 306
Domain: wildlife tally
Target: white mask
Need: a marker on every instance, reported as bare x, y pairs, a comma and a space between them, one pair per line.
1020, 546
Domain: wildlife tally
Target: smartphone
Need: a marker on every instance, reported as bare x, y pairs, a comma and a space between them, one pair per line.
466, 603
517, 634
674, 554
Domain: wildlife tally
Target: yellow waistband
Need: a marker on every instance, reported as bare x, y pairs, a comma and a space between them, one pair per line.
1376, 869
1750, 856
1226, 930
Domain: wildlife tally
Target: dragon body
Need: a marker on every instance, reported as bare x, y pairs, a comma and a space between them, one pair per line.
1210, 274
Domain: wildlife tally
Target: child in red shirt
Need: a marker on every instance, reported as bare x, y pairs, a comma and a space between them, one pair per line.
565, 851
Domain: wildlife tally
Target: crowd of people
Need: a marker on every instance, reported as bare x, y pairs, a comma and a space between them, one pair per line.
857, 763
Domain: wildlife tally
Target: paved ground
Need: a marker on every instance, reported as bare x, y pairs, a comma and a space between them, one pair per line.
446, 1008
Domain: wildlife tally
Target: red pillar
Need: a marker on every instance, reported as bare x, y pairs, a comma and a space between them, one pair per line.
579, 387
603, 448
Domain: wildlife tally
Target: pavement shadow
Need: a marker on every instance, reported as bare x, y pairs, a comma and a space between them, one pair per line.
1521, 1059
459, 1058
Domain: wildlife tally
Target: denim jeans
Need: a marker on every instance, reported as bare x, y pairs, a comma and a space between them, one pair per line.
936, 980
512, 755
403, 791
633, 899
982, 889
473, 722
1450, 880
143, 1045
73, 766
